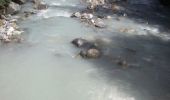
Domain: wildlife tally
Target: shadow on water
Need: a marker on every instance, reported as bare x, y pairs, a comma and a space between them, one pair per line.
147, 56
153, 14
156, 16
148, 69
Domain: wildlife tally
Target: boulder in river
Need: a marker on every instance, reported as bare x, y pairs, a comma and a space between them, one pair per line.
82, 43
88, 49
13, 8
91, 53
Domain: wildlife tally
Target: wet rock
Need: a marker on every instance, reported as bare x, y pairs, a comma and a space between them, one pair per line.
36, 1
82, 43
29, 13
9, 31
87, 16
42, 6
94, 3
2, 11
91, 53
13, 8
99, 23
115, 8
19, 1
122, 63
76, 14
3, 17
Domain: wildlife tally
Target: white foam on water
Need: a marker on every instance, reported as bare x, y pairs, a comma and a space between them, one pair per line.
55, 4
155, 32
51, 13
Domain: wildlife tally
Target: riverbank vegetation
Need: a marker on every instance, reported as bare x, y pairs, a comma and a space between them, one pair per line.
4, 2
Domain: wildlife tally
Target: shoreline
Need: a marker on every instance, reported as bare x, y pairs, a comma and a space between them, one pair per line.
9, 30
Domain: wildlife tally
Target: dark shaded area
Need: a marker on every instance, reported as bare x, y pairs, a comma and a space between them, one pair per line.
154, 14
148, 69
165, 2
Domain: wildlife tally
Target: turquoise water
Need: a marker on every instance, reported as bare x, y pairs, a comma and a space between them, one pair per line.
44, 66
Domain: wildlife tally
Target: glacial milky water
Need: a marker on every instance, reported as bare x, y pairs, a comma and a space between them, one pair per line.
45, 66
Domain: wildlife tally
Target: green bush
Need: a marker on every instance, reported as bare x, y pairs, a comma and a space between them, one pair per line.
4, 2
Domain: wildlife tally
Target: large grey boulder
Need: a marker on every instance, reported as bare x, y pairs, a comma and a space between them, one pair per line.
13, 8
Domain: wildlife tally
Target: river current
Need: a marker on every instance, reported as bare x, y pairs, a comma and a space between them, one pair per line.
44, 66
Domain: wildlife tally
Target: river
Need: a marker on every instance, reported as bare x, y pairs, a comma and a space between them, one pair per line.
44, 66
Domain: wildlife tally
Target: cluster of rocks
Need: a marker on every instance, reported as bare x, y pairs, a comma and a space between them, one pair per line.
90, 18
88, 49
9, 31
14, 6
91, 15
91, 50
